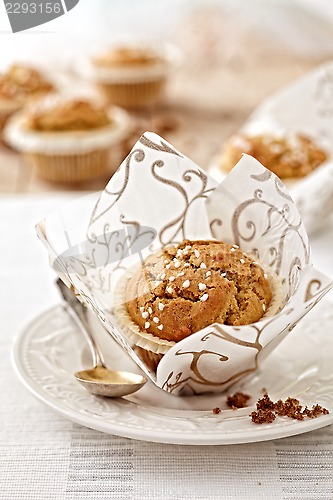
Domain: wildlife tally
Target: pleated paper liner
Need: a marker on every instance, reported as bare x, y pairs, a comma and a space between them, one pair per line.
69, 168
134, 95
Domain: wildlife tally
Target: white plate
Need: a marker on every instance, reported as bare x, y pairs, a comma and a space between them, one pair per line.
51, 349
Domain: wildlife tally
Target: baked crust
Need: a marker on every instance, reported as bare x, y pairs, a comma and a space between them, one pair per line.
20, 83
182, 289
66, 116
126, 56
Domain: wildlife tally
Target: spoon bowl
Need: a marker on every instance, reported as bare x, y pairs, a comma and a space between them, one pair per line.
98, 380
109, 383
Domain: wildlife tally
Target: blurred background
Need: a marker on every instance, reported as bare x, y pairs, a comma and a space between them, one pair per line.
234, 55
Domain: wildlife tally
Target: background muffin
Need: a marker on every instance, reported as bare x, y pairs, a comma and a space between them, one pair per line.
291, 156
19, 85
132, 75
67, 139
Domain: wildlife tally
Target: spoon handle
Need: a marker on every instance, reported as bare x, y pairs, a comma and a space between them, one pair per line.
78, 313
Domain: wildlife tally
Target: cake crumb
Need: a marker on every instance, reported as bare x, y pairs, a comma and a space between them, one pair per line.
315, 411
291, 408
165, 123
238, 400
262, 417
265, 403
216, 410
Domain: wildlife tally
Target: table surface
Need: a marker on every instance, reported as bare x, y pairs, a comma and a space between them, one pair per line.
44, 456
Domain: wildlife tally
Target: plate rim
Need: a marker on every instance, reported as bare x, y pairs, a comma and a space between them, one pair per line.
213, 438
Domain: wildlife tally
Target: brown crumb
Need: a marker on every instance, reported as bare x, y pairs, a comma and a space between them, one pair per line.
291, 407
263, 417
164, 124
265, 403
217, 410
238, 400
315, 411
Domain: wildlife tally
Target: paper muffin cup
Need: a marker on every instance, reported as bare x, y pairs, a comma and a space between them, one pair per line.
74, 156
134, 86
152, 348
69, 168
134, 95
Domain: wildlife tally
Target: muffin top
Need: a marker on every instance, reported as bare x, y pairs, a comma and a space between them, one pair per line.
291, 156
127, 56
66, 115
184, 288
21, 82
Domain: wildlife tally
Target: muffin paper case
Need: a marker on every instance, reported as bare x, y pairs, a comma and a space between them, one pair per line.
305, 106
158, 197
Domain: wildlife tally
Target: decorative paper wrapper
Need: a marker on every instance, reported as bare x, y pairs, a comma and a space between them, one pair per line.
306, 106
158, 197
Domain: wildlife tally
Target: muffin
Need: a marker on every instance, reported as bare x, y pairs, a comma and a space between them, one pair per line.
184, 288
292, 156
132, 76
19, 85
67, 139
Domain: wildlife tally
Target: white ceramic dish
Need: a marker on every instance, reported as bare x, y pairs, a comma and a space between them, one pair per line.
49, 350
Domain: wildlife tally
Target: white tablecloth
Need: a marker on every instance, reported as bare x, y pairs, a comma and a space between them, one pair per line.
44, 456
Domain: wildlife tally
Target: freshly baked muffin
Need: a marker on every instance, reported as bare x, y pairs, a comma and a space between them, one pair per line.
291, 156
18, 86
67, 139
186, 287
182, 289
132, 75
